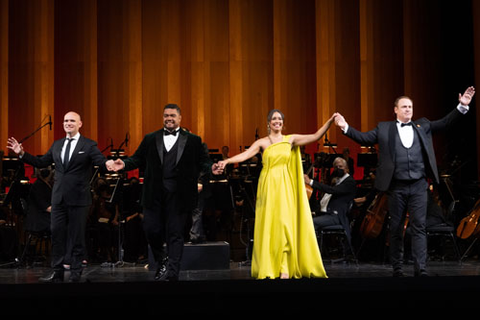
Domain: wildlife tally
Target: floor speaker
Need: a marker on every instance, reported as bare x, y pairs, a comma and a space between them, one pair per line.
206, 256
203, 256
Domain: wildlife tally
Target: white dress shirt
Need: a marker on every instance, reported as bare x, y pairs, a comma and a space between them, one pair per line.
73, 144
170, 140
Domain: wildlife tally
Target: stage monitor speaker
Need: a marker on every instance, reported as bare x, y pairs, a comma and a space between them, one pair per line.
204, 256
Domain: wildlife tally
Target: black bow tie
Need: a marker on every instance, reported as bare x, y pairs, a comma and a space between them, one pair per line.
405, 124
173, 133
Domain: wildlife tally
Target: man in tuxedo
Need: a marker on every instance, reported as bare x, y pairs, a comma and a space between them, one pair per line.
172, 159
406, 159
337, 199
74, 157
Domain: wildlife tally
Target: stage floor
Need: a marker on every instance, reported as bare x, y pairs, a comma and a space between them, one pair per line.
128, 287
129, 272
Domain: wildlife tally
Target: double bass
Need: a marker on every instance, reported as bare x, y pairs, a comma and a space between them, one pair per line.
469, 225
372, 224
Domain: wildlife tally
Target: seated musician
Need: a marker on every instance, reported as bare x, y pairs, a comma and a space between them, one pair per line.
337, 199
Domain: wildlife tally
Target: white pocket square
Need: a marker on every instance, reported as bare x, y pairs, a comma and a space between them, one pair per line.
80, 152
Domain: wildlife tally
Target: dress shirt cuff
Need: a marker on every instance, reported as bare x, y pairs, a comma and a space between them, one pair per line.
345, 129
311, 183
463, 109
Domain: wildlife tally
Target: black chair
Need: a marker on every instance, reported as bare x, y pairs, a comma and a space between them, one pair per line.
445, 230
340, 232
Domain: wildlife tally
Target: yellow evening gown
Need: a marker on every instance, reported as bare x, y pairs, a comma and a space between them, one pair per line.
284, 238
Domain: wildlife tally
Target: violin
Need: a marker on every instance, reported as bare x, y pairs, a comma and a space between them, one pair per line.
469, 225
372, 224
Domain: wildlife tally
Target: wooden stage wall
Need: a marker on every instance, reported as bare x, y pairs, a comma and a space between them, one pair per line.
227, 62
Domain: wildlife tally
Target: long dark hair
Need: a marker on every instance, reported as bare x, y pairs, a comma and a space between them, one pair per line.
270, 115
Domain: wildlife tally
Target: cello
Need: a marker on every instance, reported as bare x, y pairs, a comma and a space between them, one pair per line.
469, 225
372, 224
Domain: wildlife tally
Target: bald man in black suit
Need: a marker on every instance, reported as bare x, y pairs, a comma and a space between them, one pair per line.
74, 157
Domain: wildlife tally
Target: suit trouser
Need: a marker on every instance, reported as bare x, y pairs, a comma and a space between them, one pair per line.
165, 223
68, 225
411, 197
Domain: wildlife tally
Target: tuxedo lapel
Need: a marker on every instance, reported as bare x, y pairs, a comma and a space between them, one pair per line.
78, 147
421, 135
392, 136
57, 153
159, 143
182, 141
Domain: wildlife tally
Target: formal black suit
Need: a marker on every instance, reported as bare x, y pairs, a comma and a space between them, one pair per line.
405, 194
338, 205
71, 198
169, 191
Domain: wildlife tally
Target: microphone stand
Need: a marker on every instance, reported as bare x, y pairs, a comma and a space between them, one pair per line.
36, 130
121, 145
109, 146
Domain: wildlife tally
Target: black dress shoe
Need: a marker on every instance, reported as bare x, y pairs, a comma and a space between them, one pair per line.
398, 274
75, 276
161, 273
421, 273
53, 277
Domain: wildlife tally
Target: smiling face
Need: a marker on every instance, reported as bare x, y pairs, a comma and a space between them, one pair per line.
171, 119
404, 110
72, 123
276, 122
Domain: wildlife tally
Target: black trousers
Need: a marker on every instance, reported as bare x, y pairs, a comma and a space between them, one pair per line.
411, 197
68, 225
325, 220
165, 223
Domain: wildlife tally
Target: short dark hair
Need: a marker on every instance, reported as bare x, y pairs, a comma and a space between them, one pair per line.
395, 104
172, 106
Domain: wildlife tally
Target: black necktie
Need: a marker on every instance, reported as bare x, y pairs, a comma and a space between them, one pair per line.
405, 124
66, 156
173, 133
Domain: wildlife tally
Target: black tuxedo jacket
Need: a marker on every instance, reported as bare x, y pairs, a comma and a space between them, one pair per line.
192, 159
341, 200
71, 185
385, 134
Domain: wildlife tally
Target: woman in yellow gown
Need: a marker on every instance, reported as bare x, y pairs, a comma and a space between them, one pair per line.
284, 241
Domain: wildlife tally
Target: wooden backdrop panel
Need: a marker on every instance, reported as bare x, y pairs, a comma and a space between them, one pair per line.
226, 63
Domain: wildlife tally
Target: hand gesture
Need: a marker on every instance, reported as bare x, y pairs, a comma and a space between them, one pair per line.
340, 121
13, 145
467, 96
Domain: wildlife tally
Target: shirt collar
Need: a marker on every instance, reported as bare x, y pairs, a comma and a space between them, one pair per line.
75, 137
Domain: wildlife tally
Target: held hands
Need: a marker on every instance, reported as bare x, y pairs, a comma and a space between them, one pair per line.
217, 168
340, 121
116, 165
16, 147
467, 96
